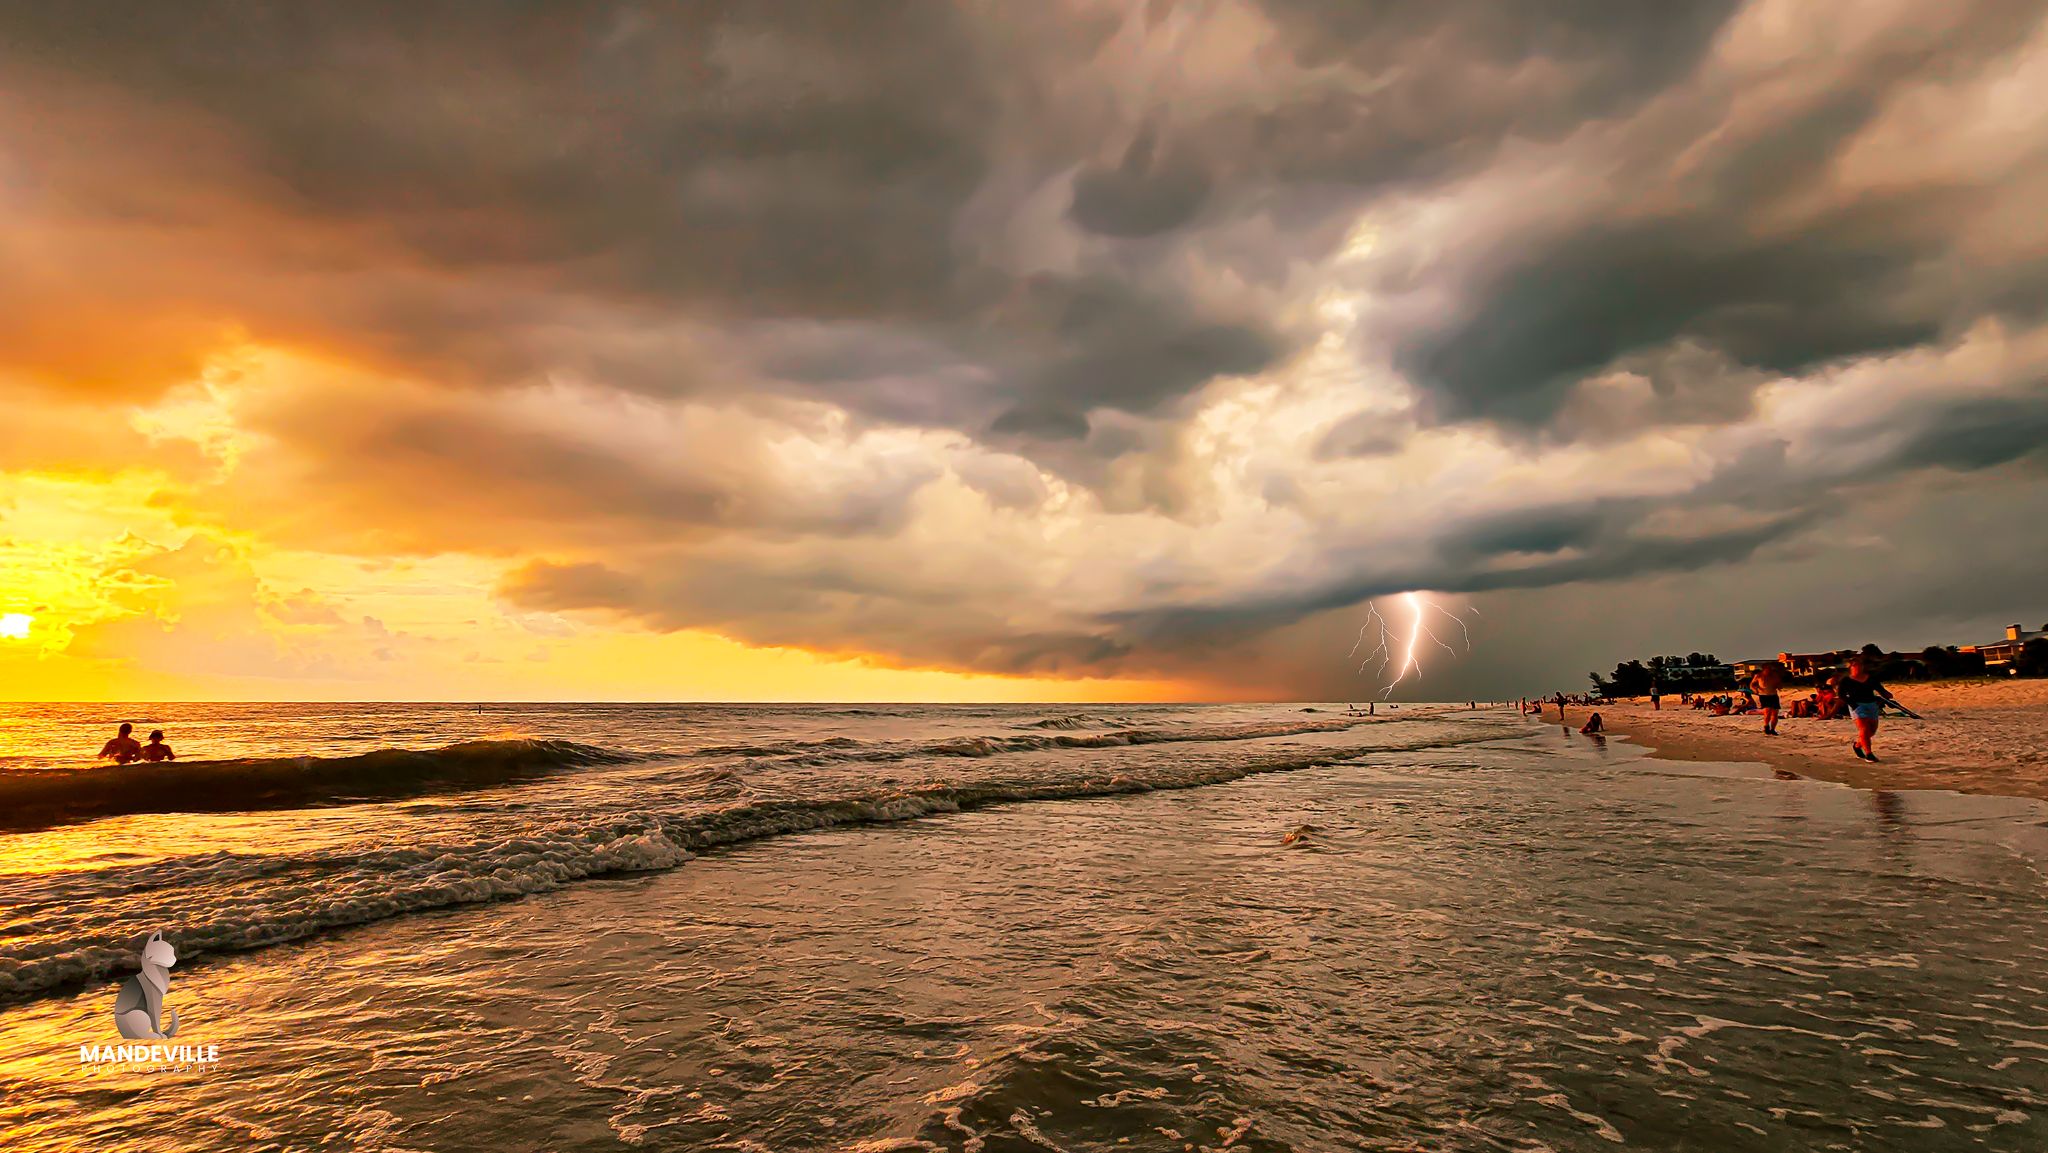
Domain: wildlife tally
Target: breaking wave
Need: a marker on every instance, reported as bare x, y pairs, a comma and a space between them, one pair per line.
356, 887
1077, 721
328, 890
38, 800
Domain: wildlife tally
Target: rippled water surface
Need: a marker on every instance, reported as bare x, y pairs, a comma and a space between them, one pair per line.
1482, 935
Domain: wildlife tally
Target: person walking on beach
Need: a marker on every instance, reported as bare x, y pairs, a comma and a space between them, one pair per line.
1560, 708
1767, 681
1864, 695
1656, 696
123, 748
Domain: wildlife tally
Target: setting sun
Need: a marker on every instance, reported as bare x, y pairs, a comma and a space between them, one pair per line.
15, 626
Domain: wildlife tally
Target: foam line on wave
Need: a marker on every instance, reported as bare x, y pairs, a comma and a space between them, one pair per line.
396, 882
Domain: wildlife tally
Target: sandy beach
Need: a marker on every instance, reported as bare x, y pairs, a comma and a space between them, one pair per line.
1976, 737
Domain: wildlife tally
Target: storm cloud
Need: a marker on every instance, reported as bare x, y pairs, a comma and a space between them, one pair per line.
1086, 338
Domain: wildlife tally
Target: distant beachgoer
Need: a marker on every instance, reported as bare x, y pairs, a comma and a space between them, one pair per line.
123, 748
1656, 696
1560, 708
1767, 681
156, 749
1865, 695
1592, 726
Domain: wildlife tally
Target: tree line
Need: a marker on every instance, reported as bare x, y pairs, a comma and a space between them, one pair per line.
1693, 672
1696, 672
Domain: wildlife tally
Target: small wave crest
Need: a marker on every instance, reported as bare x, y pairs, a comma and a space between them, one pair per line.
776, 748
1000, 744
1077, 721
357, 888
38, 800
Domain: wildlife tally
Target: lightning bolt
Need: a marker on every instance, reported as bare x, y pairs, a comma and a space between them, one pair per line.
1398, 649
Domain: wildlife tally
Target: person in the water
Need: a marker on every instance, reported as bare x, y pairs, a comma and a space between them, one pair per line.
1865, 695
124, 748
156, 749
1592, 726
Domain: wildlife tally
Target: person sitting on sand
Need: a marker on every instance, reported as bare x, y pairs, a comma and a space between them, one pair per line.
1865, 695
156, 749
1829, 702
124, 748
1592, 725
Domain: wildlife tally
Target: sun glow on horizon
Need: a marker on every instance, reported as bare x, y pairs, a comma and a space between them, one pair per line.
15, 626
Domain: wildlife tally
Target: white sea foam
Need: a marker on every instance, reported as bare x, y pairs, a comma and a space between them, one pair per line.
228, 902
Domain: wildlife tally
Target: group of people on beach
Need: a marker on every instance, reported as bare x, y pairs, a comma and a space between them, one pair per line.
124, 749
1856, 693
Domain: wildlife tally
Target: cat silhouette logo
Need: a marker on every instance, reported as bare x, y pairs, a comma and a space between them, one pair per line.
139, 1007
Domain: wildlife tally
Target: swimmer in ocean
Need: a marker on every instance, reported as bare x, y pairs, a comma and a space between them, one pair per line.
156, 749
123, 748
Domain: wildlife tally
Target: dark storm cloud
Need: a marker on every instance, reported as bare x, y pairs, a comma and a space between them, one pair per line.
833, 609
1741, 265
1781, 304
1547, 531
1441, 84
1148, 192
1978, 433
566, 182
1612, 555
1118, 348
1027, 250
782, 157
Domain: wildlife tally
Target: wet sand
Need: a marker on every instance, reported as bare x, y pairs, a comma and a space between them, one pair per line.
1976, 737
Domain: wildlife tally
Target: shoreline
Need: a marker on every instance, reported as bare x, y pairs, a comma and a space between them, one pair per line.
1983, 737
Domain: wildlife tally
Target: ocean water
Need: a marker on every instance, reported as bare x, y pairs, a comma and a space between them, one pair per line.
1000, 928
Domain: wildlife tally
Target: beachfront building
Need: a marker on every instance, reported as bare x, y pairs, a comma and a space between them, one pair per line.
1745, 670
1803, 667
2001, 654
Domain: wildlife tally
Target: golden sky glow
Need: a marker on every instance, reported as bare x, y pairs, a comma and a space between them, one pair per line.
123, 582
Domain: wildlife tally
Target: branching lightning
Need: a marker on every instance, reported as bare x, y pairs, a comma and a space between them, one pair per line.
1399, 648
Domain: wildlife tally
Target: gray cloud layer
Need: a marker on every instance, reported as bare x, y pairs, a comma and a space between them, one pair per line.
1078, 337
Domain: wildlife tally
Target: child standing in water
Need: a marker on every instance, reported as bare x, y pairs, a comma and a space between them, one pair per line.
156, 749
1865, 696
